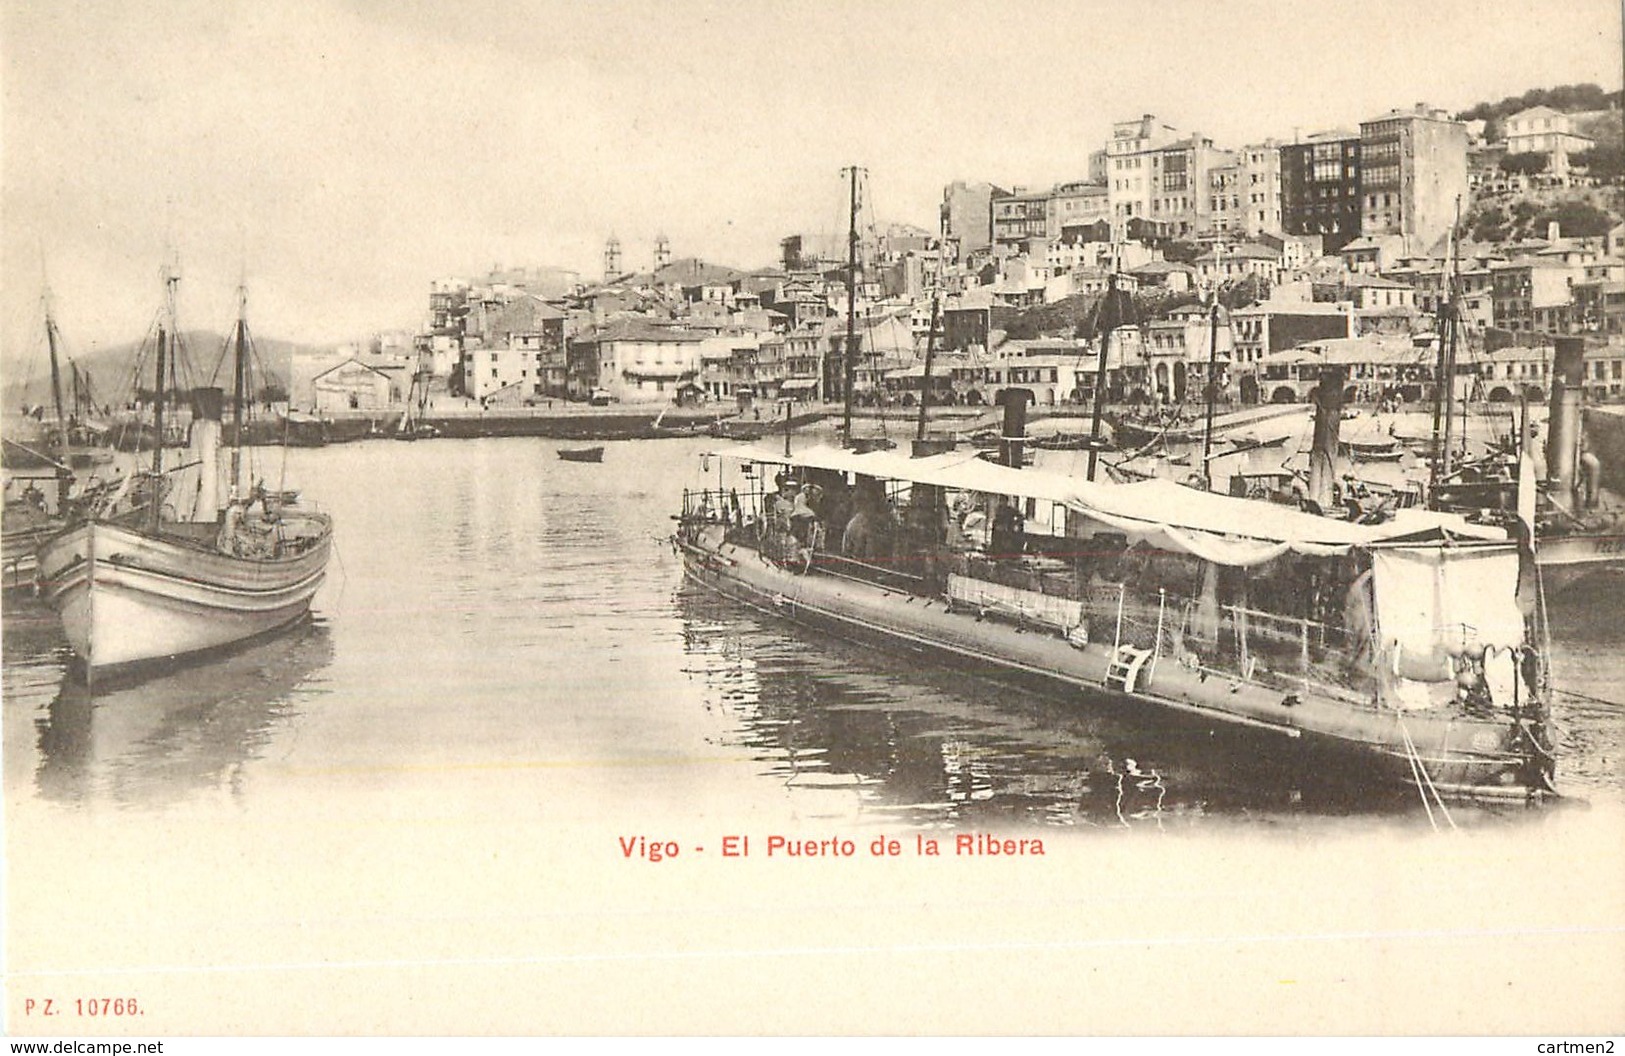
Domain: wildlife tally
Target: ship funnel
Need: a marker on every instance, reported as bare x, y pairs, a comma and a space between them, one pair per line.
1012, 438
1563, 426
206, 413
1328, 424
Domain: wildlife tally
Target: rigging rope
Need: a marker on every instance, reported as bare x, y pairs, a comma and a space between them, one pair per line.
1424, 781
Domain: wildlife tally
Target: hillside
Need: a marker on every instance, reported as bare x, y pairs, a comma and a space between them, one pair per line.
112, 369
1579, 213
1569, 98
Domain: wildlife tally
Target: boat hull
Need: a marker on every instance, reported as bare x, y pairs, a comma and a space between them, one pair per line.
1568, 559
19, 555
128, 597
1456, 754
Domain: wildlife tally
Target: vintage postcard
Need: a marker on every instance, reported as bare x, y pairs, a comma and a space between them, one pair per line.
838, 519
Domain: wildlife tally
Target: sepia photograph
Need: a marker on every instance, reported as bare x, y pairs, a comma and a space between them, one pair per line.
865, 519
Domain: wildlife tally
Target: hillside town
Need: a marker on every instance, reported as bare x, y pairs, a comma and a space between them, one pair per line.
1265, 260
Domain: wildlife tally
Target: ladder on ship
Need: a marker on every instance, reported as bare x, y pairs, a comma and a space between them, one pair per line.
1127, 663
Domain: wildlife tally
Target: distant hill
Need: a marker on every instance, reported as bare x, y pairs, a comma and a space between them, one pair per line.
112, 369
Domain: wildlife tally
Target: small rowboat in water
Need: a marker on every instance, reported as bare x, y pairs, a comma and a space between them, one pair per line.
582, 454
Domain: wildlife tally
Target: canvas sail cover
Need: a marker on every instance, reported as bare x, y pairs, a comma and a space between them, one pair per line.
1217, 528
1435, 602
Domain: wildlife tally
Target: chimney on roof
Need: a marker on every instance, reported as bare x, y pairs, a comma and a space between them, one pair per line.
1553, 231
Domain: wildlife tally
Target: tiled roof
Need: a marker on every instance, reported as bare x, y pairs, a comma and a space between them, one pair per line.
691, 271
637, 330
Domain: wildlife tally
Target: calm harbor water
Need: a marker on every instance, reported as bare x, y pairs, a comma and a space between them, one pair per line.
505, 626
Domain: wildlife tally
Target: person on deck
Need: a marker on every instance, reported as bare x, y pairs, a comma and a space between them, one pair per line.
1007, 541
870, 532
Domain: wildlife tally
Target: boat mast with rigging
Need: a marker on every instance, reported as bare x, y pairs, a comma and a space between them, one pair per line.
850, 356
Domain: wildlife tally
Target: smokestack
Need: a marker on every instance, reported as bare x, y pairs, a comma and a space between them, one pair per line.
206, 408
1563, 426
1328, 423
1012, 437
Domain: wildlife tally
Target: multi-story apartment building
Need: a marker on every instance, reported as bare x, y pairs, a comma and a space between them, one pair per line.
1542, 130
1260, 188
1532, 295
1413, 174
1218, 267
1224, 215
1047, 368
1021, 220
634, 361
1605, 372
1075, 206
1320, 188
1274, 326
804, 349
967, 217
1599, 306
1177, 349
1179, 185
1133, 175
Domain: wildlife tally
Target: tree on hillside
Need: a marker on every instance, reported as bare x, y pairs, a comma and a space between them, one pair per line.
1603, 164
1180, 252
1579, 219
1156, 301
1249, 290
1489, 225
1565, 97
1064, 317
1529, 164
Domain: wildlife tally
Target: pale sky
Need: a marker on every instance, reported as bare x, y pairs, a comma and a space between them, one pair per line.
348, 153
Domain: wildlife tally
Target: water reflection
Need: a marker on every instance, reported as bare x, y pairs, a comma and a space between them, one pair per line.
512, 606
933, 747
193, 728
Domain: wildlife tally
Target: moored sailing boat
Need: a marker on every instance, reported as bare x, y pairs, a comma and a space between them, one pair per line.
413, 425
30, 518
152, 584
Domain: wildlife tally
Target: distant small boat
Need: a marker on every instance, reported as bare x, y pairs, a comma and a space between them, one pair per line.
582, 454
1374, 451
734, 429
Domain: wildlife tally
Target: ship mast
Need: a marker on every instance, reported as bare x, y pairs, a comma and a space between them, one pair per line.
239, 386
849, 364
63, 477
1106, 322
166, 344
158, 428
930, 353
1445, 388
1212, 380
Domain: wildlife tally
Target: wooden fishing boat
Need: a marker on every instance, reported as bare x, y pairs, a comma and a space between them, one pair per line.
1400, 646
582, 454
1137, 430
65, 445
27, 525
160, 582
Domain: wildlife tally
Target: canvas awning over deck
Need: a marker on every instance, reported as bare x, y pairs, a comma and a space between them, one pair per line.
1217, 528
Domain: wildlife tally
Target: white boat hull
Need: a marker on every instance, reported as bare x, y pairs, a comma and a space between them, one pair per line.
127, 596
